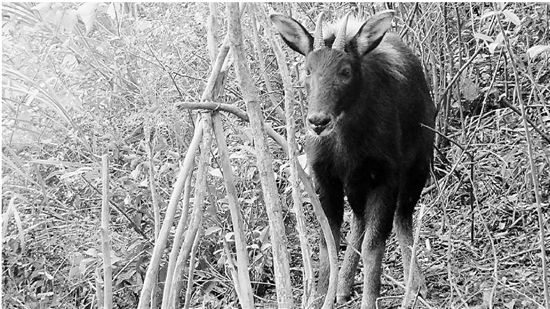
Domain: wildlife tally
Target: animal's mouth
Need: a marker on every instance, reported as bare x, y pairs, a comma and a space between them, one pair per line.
323, 129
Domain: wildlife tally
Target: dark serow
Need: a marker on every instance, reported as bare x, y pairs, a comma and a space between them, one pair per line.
367, 100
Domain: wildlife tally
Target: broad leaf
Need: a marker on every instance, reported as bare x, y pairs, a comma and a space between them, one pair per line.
469, 89
483, 37
511, 16
536, 50
489, 14
87, 13
68, 21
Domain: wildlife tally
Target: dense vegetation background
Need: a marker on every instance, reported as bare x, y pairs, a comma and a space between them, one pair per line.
81, 80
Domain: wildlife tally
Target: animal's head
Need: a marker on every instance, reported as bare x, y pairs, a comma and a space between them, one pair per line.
333, 74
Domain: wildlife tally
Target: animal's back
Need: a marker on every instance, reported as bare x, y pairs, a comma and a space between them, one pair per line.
401, 83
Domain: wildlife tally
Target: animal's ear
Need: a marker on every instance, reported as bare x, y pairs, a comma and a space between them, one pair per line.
372, 32
293, 33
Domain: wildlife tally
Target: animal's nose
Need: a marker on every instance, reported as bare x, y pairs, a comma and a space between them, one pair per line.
318, 122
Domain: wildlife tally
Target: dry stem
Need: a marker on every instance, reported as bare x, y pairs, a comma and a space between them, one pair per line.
178, 241
196, 217
245, 296
309, 282
160, 243
105, 239
264, 162
534, 170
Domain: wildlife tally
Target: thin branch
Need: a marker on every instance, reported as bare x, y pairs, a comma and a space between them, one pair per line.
263, 69
151, 172
160, 243
163, 67
196, 217
105, 239
189, 289
529, 121
456, 77
244, 286
264, 162
309, 278
534, 169
230, 108
177, 242
237, 112
120, 211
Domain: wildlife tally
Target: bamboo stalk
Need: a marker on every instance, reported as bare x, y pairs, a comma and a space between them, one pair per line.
189, 289
237, 112
230, 264
152, 186
327, 232
98, 289
414, 247
309, 282
246, 296
263, 69
211, 27
264, 163
178, 241
105, 218
196, 217
306, 180
160, 243
154, 196
242, 282
216, 68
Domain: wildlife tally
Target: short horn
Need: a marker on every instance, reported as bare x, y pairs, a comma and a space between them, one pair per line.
318, 40
340, 40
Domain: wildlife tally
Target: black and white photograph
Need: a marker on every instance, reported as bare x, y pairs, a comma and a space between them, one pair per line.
313, 155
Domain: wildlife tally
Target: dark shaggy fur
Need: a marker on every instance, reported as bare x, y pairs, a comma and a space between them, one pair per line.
366, 107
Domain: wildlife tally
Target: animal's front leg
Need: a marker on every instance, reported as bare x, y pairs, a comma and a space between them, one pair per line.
378, 214
351, 259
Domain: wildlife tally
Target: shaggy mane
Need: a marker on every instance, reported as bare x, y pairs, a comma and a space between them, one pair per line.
354, 24
388, 54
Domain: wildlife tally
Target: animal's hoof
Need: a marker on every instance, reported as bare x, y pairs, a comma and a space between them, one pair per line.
342, 299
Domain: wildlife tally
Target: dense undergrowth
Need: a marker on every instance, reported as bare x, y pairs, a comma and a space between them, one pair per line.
80, 80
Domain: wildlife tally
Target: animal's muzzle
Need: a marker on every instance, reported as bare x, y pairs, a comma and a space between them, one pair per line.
318, 122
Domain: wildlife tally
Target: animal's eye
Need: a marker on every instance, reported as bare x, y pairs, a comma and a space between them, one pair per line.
345, 72
308, 72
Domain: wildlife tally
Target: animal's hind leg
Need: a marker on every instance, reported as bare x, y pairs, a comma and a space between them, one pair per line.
351, 259
410, 191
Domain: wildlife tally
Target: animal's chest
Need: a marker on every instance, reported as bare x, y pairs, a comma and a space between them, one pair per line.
350, 166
